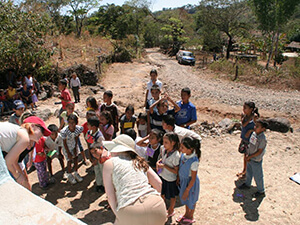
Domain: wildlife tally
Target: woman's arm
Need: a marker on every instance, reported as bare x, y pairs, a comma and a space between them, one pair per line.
154, 180
108, 184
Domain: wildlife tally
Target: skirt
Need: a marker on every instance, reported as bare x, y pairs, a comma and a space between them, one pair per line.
193, 193
169, 189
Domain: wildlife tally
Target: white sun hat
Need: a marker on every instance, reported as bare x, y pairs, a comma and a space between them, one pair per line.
122, 143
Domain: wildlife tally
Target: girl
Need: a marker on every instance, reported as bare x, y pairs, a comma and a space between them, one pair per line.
189, 181
153, 146
167, 168
70, 135
127, 120
248, 117
142, 125
106, 125
91, 104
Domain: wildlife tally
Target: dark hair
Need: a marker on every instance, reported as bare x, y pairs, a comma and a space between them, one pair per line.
130, 108
158, 133
63, 82
90, 113
70, 104
53, 128
263, 123
107, 116
73, 117
155, 87
251, 105
192, 143
186, 90
153, 71
143, 116
93, 102
138, 162
161, 102
174, 138
94, 121
131, 133
169, 120
108, 93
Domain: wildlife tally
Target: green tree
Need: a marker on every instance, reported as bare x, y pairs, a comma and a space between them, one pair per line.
79, 10
22, 39
225, 16
272, 16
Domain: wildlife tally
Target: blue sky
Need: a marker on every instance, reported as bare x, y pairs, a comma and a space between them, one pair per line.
156, 4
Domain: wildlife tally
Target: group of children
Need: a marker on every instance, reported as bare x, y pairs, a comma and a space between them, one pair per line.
164, 140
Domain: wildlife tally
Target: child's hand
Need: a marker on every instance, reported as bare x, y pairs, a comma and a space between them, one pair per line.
185, 194
247, 158
159, 164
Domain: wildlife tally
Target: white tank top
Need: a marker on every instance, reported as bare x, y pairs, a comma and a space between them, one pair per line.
8, 135
130, 183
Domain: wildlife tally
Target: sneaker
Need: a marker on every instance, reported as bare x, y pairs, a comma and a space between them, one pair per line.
65, 176
71, 179
78, 177
259, 195
243, 186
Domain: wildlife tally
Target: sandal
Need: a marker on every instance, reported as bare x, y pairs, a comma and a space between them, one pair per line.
188, 221
170, 215
240, 174
180, 218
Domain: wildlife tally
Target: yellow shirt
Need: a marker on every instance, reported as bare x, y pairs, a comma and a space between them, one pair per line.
11, 93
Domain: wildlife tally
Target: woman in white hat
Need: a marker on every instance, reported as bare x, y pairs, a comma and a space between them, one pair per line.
128, 179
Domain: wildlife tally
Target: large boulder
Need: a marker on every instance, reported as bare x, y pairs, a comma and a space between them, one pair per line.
86, 75
279, 124
43, 114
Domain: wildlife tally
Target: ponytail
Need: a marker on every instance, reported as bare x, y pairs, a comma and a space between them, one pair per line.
255, 111
251, 105
138, 162
192, 143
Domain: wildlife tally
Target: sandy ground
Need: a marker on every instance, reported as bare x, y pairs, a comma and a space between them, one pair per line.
220, 201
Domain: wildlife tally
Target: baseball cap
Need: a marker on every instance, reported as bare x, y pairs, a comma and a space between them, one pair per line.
122, 143
38, 121
18, 104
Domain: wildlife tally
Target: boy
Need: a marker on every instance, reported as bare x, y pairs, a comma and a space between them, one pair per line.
64, 96
156, 116
153, 81
54, 143
18, 109
187, 114
3, 101
112, 108
75, 85
93, 136
155, 92
254, 156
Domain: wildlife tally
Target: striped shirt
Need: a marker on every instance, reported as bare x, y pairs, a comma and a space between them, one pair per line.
70, 136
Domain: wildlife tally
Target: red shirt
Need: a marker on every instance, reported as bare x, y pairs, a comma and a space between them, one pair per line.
40, 148
85, 128
65, 94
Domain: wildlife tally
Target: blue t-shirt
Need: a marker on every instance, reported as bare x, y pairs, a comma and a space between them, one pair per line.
186, 113
249, 126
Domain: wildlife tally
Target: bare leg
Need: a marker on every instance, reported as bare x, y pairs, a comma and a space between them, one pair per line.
75, 163
172, 205
49, 163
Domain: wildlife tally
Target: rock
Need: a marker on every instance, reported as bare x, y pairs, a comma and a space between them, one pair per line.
236, 132
225, 123
43, 114
49, 88
279, 124
86, 75
95, 89
43, 95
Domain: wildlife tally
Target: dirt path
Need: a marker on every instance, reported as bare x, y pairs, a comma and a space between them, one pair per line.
220, 201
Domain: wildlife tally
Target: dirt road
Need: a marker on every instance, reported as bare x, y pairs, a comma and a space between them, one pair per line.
220, 202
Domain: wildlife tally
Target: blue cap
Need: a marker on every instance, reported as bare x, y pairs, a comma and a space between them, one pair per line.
18, 104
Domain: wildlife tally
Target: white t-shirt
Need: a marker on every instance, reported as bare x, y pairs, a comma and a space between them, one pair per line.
149, 86
8, 135
171, 161
53, 145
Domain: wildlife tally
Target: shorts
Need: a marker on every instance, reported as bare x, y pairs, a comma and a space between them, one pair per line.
72, 153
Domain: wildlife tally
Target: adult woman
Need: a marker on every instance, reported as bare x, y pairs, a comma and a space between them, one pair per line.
14, 139
126, 178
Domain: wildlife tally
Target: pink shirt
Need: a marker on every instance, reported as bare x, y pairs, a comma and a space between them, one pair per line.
65, 94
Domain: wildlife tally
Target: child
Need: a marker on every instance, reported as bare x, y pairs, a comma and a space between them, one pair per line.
112, 108
70, 135
91, 104
3, 100
187, 114
167, 168
189, 181
52, 144
18, 109
254, 158
248, 123
40, 163
153, 80
88, 115
64, 96
155, 92
63, 117
11, 93
106, 125
26, 95
153, 146
142, 125
162, 110
94, 135
75, 85
127, 120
